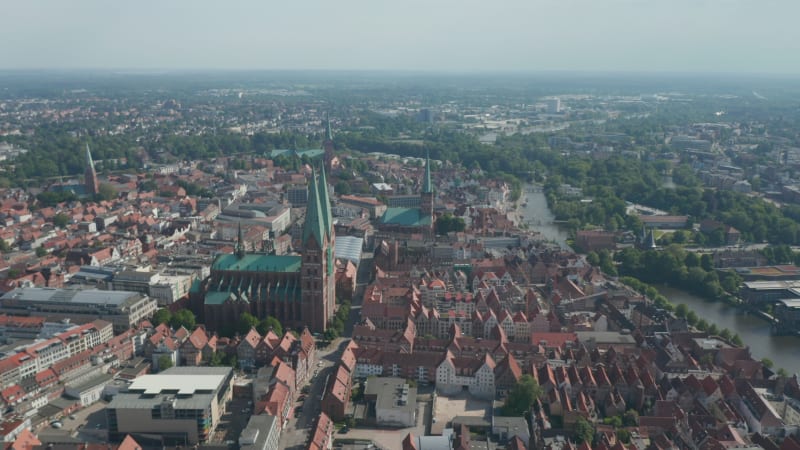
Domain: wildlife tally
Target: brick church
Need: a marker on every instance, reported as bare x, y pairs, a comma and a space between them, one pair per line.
298, 290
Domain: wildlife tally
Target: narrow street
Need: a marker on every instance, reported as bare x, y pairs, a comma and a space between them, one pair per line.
297, 432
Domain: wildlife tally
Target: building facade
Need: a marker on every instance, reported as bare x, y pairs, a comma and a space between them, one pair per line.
183, 405
298, 290
123, 309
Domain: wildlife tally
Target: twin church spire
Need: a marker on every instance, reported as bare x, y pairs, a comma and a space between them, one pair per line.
319, 221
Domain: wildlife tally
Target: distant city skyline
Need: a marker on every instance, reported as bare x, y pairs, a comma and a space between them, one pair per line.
737, 36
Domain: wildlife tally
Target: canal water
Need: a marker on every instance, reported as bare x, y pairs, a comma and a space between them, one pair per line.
537, 215
755, 332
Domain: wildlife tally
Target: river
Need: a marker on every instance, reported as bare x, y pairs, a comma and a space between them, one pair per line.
538, 216
755, 332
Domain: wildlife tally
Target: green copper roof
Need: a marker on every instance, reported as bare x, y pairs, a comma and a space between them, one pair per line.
325, 203
256, 262
409, 217
216, 297
427, 188
195, 285
315, 221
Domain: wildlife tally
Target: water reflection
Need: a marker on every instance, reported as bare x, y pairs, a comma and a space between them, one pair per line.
538, 216
755, 332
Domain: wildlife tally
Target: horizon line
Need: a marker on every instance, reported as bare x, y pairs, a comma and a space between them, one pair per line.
201, 70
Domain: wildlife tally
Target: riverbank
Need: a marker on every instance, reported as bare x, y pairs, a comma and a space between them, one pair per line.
531, 209
755, 332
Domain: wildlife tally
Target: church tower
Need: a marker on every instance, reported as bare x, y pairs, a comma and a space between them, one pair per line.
240, 251
330, 281
90, 176
331, 161
317, 266
426, 196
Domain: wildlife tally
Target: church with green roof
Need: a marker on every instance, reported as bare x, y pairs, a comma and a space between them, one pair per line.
298, 290
412, 220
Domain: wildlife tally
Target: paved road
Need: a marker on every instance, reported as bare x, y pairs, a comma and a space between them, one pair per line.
297, 431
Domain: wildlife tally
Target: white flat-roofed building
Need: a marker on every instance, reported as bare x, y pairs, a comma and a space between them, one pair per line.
123, 309
181, 404
395, 401
170, 288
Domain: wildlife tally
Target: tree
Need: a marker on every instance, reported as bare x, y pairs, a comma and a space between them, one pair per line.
593, 259
343, 188
164, 363
447, 223
691, 318
725, 334
614, 421
767, 363
162, 315
183, 318
737, 340
106, 192
246, 322
681, 310
584, 431
270, 323
331, 334
41, 251
522, 396
630, 418
61, 220
216, 359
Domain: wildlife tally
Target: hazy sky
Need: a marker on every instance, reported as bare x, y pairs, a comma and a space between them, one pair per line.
451, 35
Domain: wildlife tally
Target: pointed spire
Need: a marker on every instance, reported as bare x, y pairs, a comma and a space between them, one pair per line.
651, 240
325, 203
240, 243
314, 225
89, 161
328, 132
427, 188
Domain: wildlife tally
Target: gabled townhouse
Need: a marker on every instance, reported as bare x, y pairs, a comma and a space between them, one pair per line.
457, 373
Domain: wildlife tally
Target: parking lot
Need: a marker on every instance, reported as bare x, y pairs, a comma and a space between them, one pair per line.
463, 404
88, 425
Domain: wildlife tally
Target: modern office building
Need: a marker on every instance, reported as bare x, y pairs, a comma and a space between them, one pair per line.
181, 405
